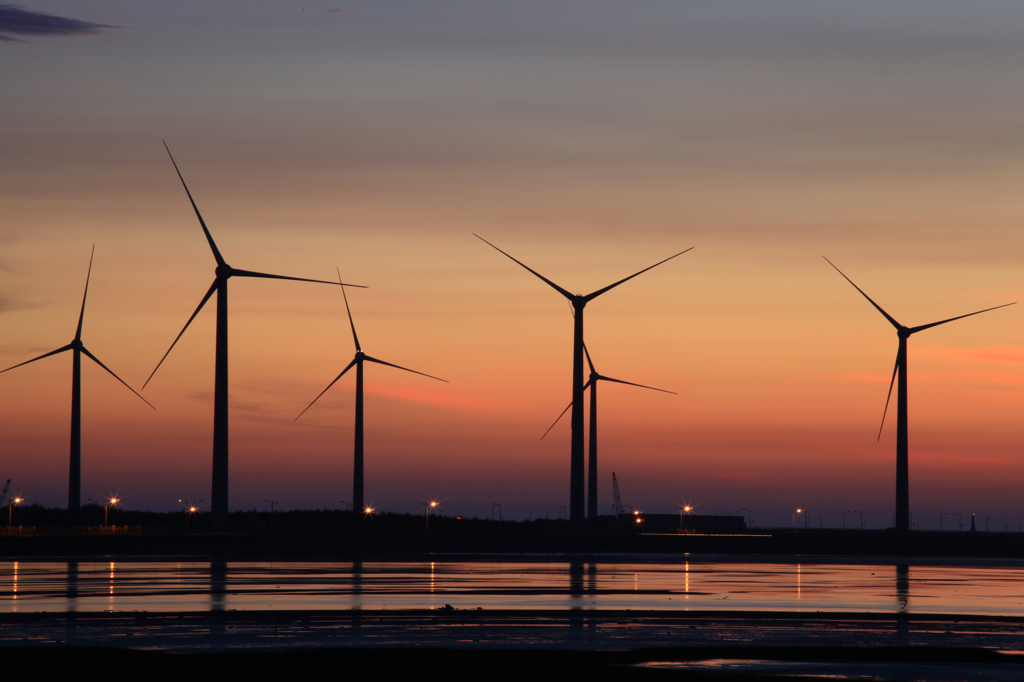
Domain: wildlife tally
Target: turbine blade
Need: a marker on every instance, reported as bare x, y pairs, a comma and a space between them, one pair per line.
263, 275
878, 307
381, 362
557, 420
589, 362
44, 355
347, 368
349, 311
630, 383
891, 382
206, 231
209, 293
97, 361
914, 330
557, 288
81, 315
590, 297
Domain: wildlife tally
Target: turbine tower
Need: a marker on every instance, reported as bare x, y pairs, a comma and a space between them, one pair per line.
358, 501
578, 302
902, 447
592, 505
219, 492
77, 349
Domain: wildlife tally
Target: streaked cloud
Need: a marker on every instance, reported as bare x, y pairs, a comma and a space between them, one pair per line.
21, 21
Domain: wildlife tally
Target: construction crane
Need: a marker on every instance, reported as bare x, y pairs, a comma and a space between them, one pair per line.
3, 494
617, 504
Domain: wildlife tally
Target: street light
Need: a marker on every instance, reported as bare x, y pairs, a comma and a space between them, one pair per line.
684, 509
940, 518
959, 520
795, 512
106, 508
10, 506
426, 511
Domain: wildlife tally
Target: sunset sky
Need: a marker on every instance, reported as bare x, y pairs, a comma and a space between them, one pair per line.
587, 139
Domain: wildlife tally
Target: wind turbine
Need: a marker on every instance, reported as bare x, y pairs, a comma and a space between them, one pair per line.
219, 493
902, 448
77, 349
592, 465
578, 302
358, 503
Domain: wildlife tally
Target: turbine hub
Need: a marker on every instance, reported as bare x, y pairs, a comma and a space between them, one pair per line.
77, 344
223, 271
903, 333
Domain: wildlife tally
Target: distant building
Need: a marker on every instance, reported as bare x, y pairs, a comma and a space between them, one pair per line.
688, 523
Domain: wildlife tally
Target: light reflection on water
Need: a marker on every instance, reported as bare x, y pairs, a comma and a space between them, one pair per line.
686, 585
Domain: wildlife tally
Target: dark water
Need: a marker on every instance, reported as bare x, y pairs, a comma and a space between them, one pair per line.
28, 586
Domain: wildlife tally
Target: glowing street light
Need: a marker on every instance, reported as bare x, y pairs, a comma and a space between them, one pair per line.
10, 506
684, 509
106, 508
795, 512
426, 510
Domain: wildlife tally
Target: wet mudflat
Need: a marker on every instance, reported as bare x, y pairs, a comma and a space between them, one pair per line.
665, 618
683, 584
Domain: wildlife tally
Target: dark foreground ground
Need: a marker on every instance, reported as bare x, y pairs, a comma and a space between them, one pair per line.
536, 645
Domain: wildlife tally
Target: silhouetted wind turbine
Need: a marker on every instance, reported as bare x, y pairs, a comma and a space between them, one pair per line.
219, 492
592, 505
358, 503
578, 302
902, 448
77, 348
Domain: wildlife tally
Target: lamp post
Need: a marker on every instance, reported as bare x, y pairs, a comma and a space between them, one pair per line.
1006, 523
106, 508
684, 509
861, 518
940, 519
426, 510
10, 506
795, 512
959, 520
493, 505
844, 518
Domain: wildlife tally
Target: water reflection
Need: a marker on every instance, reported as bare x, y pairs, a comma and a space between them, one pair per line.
85, 586
218, 584
903, 601
71, 593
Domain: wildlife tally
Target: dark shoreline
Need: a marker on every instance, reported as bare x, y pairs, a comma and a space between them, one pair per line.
454, 665
404, 544
516, 645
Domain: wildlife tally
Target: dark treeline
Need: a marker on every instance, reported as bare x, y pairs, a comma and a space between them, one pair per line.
336, 534
262, 521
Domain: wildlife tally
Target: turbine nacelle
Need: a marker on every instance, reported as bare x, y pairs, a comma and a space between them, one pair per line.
224, 271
